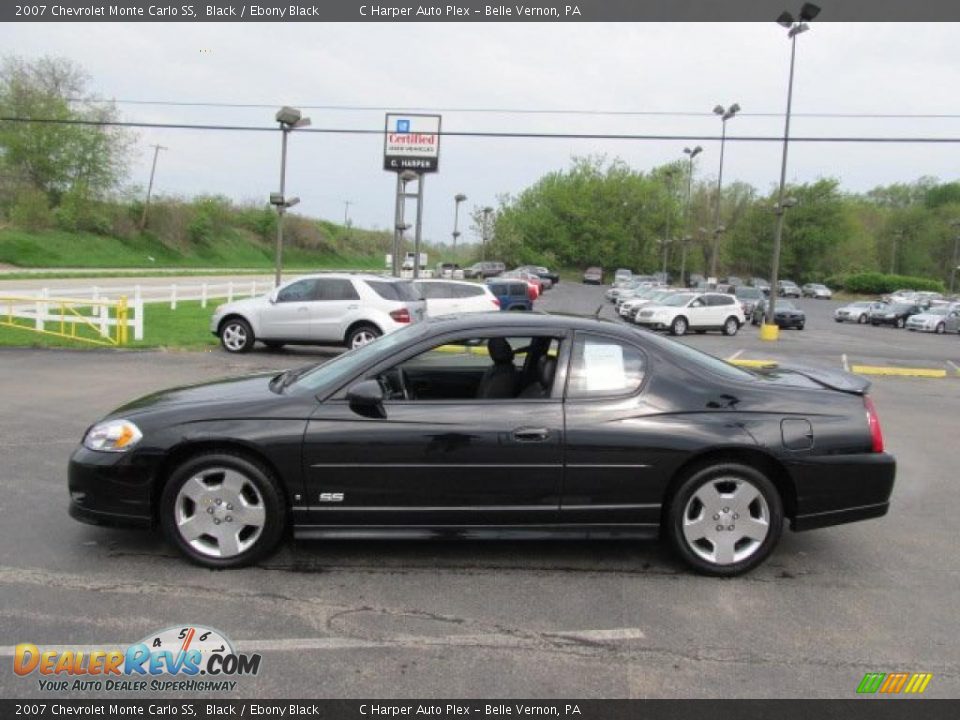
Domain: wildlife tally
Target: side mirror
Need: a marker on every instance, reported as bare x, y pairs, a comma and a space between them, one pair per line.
366, 398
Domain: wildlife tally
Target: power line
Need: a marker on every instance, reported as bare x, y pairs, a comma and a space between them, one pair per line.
495, 134
529, 111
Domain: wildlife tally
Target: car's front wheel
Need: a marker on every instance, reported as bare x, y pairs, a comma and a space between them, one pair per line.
222, 510
862, 320
236, 336
731, 326
725, 519
901, 322
679, 326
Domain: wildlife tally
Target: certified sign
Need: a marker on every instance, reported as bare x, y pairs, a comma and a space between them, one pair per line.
411, 142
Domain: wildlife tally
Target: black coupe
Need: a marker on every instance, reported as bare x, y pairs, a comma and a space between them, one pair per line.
496, 425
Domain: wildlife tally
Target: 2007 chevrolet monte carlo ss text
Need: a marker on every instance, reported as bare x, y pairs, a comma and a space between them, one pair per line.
502, 425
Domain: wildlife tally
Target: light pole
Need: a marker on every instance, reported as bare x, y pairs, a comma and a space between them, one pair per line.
399, 223
487, 211
955, 224
669, 173
808, 12
897, 241
691, 154
289, 119
153, 169
725, 114
457, 199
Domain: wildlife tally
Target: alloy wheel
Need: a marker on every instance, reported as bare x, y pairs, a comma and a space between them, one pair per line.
726, 520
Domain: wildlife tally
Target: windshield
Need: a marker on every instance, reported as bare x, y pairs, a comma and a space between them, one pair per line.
678, 300
937, 311
340, 368
785, 305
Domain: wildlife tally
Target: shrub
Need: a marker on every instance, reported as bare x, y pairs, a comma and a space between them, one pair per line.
874, 283
31, 210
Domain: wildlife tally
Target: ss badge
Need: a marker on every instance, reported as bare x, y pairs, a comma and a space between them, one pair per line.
331, 497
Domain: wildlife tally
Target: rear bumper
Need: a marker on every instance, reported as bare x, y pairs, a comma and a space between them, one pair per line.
841, 488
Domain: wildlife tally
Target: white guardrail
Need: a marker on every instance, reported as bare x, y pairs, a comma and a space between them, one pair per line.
150, 293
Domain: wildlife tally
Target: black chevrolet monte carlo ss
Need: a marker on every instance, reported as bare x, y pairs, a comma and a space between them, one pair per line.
499, 426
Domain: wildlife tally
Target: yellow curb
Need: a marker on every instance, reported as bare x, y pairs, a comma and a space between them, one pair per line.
902, 372
754, 363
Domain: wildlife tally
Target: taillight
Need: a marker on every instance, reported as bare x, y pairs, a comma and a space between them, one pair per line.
873, 420
496, 303
401, 316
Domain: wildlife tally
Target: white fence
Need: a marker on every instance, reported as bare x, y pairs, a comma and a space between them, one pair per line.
149, 293
68, 316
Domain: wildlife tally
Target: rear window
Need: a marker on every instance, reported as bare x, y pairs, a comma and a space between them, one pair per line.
397, 290
467, 291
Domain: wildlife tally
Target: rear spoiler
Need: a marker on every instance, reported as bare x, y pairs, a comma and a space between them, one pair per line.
839, 380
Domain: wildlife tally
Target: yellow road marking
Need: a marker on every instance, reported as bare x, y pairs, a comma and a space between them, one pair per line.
753, 363
899, 371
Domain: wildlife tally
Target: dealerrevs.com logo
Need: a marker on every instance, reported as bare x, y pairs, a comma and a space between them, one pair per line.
182, 659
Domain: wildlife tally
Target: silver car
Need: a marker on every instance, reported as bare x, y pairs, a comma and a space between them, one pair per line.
934, 320
858, 312
817, 291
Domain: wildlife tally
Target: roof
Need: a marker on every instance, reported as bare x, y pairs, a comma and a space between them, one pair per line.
548, 321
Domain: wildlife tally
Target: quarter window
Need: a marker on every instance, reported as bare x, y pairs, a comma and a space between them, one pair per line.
602, 367
336, 289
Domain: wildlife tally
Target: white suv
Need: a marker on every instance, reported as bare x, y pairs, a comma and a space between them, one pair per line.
325, 309
694, 311
449, 297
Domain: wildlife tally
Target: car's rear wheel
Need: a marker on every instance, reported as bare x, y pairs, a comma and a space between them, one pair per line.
679, 326
725, 519
862, 320
941, 328
731, 326
236, 336
362, 334
222, 510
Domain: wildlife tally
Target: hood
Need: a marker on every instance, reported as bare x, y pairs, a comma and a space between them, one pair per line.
246, 304
243, 389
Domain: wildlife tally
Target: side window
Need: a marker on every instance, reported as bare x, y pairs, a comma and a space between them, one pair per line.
336, 289
602, 367
467, 291
300, 291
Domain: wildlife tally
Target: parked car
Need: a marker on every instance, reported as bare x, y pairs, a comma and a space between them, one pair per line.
654, 296
449, 270
593, 275
694, 311
895, 314
760, 284
622, 275
451, 297
543, 272
485, 269
933, 320
858, 312
733, 280
512, 294
785, 314
817, 291
319, 310
748, 297
535, 283
694, 279
787, 288
623, 434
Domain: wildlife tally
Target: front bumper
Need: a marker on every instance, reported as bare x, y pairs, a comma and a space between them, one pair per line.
112, 488
790, 322
839, 489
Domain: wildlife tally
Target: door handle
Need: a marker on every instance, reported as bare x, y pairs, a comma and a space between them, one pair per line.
531, 434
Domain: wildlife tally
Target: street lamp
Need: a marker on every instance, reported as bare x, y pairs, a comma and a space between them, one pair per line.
399, 225
289, 119
725, 114
691, 153
669, 174
457, 199
487, 211
794, 27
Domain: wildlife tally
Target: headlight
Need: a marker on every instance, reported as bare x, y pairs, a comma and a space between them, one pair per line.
112, 436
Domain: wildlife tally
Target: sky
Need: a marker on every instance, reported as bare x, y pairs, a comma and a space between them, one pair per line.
884, 68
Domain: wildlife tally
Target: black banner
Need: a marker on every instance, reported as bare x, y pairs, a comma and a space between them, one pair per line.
468, 11
914, 709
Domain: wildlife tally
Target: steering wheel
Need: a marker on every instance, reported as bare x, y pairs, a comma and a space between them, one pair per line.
404, 388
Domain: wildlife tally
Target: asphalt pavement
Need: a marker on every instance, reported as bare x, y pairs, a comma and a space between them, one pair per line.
501, 619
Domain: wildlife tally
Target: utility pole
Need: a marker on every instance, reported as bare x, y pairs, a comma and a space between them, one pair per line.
153, 169
346, 212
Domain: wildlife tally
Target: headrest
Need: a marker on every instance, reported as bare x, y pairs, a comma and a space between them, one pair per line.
548, 368
500, 351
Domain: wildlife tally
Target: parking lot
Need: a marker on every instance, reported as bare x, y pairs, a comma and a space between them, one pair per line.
558, 619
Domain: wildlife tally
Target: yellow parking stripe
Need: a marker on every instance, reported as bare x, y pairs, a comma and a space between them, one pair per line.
753, 363
899, 371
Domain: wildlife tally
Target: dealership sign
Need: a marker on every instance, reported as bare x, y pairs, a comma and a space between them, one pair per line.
411, 142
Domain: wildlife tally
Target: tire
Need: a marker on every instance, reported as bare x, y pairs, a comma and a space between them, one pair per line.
709, 495
731, 326
838, 320
862, 320
362, 334
204, 503
800, 326
236, 335
900, 323
941, 328
679, 326
273, 345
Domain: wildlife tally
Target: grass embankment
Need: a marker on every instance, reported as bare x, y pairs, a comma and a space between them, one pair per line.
185, 328
230, 250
